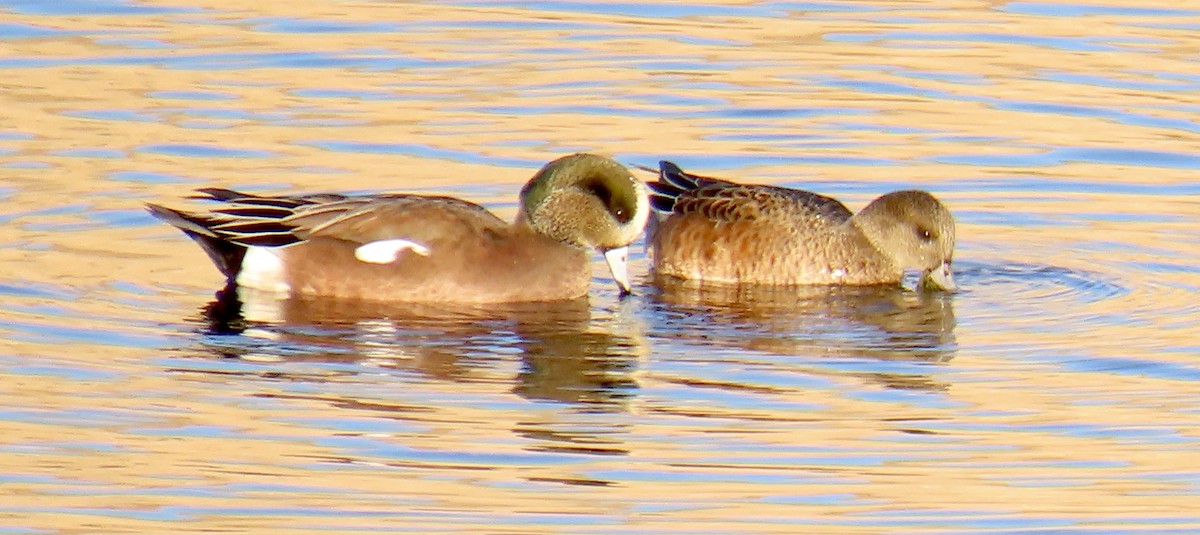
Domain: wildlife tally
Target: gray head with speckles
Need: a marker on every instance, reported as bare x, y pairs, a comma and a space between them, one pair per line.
916, 231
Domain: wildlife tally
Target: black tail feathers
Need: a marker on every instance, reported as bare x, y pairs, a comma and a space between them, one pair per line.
225, 254
672, 182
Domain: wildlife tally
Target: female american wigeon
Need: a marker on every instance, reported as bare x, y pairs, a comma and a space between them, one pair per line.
414, 248
719, 231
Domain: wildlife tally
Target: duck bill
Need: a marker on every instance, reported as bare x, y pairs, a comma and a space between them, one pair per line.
618, 263
939, 278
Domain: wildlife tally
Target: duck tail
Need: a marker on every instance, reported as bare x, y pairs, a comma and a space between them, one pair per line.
673, 182
242, 221
226, 254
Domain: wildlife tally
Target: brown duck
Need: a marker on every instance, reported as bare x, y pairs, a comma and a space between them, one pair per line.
713, 230
401, 247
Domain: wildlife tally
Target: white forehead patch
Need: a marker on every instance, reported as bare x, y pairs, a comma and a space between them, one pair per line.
387, 251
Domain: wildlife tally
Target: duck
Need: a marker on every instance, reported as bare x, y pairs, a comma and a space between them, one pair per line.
427, 249
714, 230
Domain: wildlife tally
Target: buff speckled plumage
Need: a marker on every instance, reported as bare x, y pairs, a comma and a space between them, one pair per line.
713, 230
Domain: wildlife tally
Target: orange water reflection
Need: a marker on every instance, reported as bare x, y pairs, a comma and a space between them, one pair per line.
1056, 392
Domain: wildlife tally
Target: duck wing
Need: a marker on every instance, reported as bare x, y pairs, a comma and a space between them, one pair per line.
679, 192
246, 220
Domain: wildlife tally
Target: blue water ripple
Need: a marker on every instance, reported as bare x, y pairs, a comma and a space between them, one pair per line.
1118, 83
44, 333
424, 151
1065, 155
143, 44
26, 288
360, 94
114, 115
1071, 44
1135, 367
643, 10
1119, 116
234, 114
388, 450
1076, 10
312, 26
428, 26
90, 7
149, 177
192, 95
14, 30
346, 60
719, 162
63, 373
89, 153
203, 151
893, 88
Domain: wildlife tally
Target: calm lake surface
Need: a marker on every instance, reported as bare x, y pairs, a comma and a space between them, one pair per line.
1059, 392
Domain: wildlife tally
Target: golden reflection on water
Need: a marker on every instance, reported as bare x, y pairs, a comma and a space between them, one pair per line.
871, 322
1057, 391
566, 354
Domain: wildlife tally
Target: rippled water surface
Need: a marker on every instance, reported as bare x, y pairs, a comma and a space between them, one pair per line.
1058, 393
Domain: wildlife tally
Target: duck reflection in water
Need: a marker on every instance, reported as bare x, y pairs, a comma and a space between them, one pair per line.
873, 322
566, 354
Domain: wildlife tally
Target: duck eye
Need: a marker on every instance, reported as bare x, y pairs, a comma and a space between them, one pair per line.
925, 234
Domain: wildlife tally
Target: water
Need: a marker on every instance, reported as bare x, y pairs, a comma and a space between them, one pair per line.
1055, 394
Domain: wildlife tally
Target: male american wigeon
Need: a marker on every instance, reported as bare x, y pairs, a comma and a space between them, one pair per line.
715, 230
414, 248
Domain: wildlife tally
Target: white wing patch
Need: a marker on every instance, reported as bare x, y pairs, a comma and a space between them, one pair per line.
387, 251
262, 269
